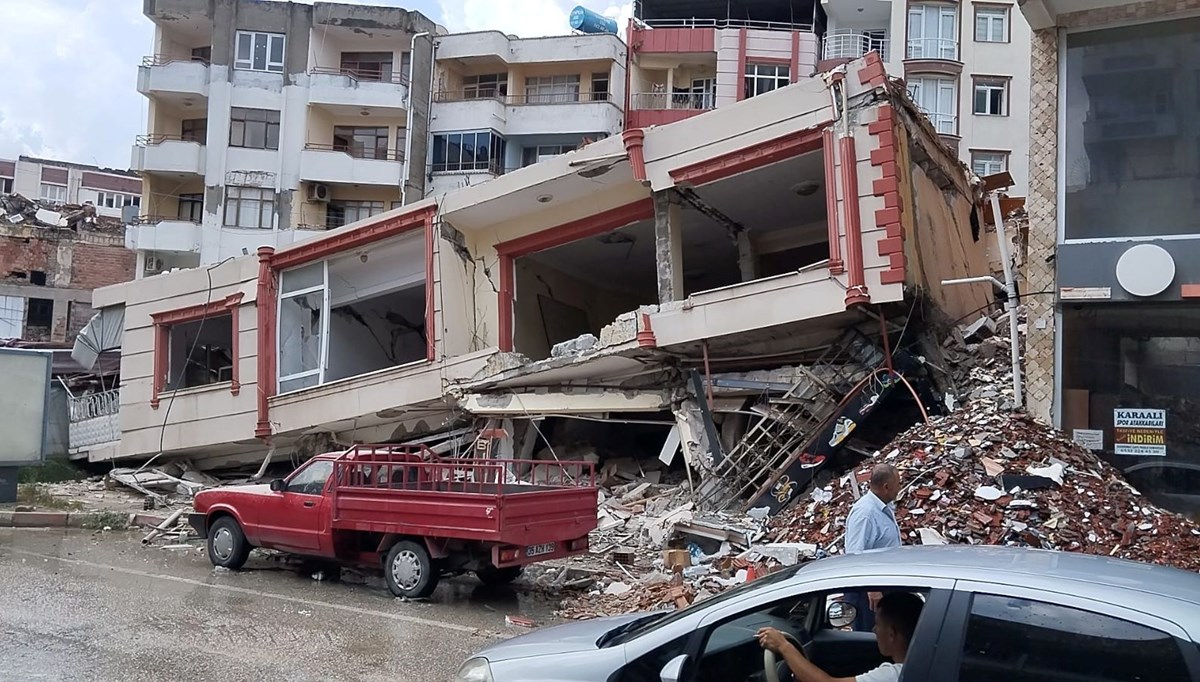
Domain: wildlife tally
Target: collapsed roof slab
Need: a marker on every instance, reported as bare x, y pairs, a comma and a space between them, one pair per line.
545, 403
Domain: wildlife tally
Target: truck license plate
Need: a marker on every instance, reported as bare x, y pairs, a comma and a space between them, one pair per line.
539, 550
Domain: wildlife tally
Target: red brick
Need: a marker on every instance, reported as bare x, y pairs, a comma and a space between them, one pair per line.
892, 277
883, 155
894, 231
897, 260
892, 200
887, 138
890, 246
885, 113
878, 127
882, 186
887, 216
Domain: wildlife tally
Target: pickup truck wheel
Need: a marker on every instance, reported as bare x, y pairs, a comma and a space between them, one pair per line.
227, 544
410, 571
491, 576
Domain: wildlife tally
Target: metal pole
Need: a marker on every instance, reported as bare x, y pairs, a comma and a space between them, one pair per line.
1011, 304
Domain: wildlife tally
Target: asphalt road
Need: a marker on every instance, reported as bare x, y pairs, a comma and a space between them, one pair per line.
84, 606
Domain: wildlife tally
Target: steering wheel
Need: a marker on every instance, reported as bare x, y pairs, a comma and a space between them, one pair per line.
770, 663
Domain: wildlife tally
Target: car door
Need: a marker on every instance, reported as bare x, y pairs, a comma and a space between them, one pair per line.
1000, 633
295, 518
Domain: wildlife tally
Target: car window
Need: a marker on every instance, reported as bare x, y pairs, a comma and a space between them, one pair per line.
647, 667
731, 650
1018, 639
311, 480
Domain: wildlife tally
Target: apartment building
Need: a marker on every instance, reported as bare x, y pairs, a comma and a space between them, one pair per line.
1114, 242
503, 103
966, 65
272, 122
63, 183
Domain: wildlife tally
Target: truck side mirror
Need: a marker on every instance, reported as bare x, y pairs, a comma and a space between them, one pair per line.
278, 485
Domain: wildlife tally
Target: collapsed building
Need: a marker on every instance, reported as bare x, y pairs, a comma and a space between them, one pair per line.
735, 295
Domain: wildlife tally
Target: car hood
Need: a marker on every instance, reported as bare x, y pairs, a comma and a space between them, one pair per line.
560, 639
207, 498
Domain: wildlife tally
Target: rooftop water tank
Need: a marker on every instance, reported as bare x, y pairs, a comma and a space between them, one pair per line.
585, 20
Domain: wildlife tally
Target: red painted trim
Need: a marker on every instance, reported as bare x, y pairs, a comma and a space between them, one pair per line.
635, 141
507, 298
164, 320
873, 73
831, 204
781, 61
741, 91
794, 67
634, 42
887, 187
748, 158
856, 291
645, 334
266, 304
320, 249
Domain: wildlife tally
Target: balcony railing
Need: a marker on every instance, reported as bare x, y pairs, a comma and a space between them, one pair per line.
726, 23
493, 167
164, 59
933, 48
668, 100
852, 45
521, 99
945, 124
359, 151
94, 419
363, 75
151, 140
156, 219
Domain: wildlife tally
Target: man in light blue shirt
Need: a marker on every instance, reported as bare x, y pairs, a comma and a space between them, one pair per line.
871, 525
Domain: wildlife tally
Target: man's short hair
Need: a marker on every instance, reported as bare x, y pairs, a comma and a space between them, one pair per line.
901, 610
881, 474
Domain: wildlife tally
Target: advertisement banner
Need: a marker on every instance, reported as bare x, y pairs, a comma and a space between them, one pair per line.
1140, 432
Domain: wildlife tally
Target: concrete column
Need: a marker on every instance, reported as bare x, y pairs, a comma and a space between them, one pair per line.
670, 87
668, 246
747, 258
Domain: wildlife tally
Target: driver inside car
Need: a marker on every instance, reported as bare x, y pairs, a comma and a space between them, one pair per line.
896, 617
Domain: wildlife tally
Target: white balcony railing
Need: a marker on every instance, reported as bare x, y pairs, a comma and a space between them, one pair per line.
933, 48
94, 419
677, 100
852, 45
945, 124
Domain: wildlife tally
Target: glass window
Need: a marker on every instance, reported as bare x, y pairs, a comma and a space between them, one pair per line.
600, 87
932, 31
194, 130
552, 89
311, 479
938, 98
405, 66
342, 213
542, 152
476, 151
361, 142
991, 96
368, 66
1130, 137
117, 199
54, 193
257, 51
249, 207
5, 185
191, 207
762, 78
1018, 639
984, 164
486, 86
991, 24
254, 128
300, 331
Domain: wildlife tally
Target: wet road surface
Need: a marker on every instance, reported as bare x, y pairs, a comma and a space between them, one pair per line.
84, 606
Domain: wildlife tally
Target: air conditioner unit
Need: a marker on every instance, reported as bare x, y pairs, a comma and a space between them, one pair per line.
153, 265
318, 192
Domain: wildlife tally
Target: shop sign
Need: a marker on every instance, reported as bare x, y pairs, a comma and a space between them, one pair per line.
1091, 439
1140, 432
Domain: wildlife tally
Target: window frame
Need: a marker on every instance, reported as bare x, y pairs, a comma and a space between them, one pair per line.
195, 203
993, 14
162, 323
1004, 156
557, 89
912, 40
940, 82
353, 211
44, 308
118, 200
373, 144
59, 195
988, 85
310, 466
6, 185
497, 146
753, 78
195, 130
250, 122
250, 62
377, 67
601, 77
485, 86
236, 201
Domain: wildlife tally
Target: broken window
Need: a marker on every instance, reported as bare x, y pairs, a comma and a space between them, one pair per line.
40, 312
368, 66
991, 96
763, 78
361, 142
249, 207
552, 89
254, 128
54, 193
200, 352
301, 326
38, 278
256, 51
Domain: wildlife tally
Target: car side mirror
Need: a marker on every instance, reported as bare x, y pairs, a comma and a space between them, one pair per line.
674, 670
278, 485
841, 614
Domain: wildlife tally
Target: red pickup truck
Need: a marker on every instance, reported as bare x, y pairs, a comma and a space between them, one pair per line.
404, 509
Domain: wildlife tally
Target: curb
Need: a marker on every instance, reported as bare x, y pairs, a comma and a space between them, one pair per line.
73, 519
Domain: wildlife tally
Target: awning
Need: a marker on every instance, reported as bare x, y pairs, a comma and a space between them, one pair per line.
102, 333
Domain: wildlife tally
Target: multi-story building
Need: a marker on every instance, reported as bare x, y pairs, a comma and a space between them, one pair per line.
502, 103
60, 182
270, 122
1113, 271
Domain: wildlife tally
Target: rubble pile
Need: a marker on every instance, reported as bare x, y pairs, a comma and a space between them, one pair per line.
983, 476
15, 209
979, 359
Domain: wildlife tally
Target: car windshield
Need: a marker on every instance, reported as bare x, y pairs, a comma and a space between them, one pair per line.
644, 626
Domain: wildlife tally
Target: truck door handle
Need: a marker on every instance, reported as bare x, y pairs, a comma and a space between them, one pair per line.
310, 504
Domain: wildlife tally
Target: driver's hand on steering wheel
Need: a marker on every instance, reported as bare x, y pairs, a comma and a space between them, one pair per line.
770, 638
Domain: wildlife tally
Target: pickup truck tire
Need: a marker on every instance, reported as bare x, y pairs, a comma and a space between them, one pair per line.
227, 544
409, 571
491, 576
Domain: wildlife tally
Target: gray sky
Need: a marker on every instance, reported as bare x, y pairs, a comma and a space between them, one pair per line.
69, 89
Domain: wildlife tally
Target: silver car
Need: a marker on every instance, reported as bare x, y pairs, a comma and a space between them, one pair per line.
991, 614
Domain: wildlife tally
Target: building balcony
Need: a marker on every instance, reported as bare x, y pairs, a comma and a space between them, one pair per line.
457, 110
94, 420
660, 108
551, 115
932, 55
175, 75
329, 163
163, 234
847, 45
167, 154
346, 89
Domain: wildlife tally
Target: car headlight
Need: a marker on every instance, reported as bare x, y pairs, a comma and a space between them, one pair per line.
474, 670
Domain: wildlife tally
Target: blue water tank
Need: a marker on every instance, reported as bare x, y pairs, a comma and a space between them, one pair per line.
587, 21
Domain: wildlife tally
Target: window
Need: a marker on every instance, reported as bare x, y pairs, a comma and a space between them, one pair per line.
191, 207
117, 199
40, 313
361, 143
552, 89
54, 193
301, 326
6, 185
406, 65
984, 164
1009, 638
194, 130
311, 480
368, 66
762, 78
542, 152
259, 51
991, 97
202, 54
937, 97
487, 86
479, 151
342, 213
991, 24
600, 87
254, 128
249, 207
12, 317
200, 352
932, 31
